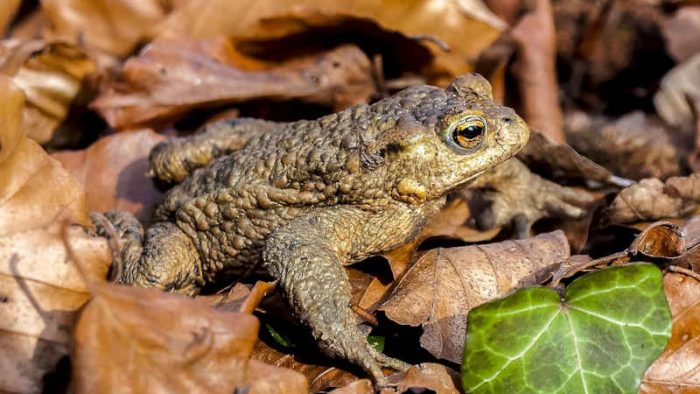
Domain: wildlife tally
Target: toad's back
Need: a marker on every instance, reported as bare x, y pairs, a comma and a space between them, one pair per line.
230, 206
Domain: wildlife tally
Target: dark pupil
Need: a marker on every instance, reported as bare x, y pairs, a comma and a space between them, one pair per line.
471, 132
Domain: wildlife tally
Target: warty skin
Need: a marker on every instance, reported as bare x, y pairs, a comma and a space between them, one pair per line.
300, 200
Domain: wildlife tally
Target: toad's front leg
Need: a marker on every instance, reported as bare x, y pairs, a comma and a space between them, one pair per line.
307, 257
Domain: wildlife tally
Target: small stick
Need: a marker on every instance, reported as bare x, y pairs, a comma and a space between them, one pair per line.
72, 256
684, 271
259, 291
365, 315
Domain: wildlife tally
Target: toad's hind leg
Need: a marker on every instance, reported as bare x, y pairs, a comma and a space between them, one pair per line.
306, 256
164, 257
174, 160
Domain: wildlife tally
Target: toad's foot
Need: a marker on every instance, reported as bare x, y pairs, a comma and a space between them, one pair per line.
174, 160
170, 263
511, 194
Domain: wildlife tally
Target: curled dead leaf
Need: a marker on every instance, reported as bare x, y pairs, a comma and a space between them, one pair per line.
682, 82
440, 289
51, 75
113, 173
169, 78
676, 370
450, 223
362, 386
560, 160
634, 146
320, 376
651, 199
319, 23
153, 336
437, 378
661, 240
111, 26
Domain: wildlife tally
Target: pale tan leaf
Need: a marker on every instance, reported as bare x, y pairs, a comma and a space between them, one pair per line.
651, 199
51, 75
42, 290
111, 26
113, 173
169, 343
440, 289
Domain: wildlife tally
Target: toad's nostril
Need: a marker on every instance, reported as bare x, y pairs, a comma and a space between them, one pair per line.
507, 119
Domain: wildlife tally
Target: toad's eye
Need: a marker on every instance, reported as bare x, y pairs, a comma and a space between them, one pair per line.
468, 133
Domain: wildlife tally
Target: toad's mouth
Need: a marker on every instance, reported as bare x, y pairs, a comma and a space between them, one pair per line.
465, 181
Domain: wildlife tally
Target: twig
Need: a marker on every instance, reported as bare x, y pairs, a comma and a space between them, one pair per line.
430, 38
365, 315
257, 293
557, 276
684, 271
72, 256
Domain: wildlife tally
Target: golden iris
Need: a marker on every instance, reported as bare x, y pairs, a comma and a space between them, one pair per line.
469, 133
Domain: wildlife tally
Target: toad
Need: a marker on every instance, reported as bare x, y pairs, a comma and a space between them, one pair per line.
300, 200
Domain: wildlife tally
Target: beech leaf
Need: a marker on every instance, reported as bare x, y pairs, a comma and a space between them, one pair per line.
40, 289
160, 342
113, 172
676, 370
438, 291
652, 199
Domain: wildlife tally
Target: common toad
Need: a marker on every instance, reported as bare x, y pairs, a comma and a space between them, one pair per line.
300, 200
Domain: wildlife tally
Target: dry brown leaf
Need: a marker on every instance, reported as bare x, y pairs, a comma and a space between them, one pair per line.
7, 13
28, 173
111, 26
431, 377
660, 240
681, 31
466, 27
40, 289
113, 173
560, 160
170, 78
651, 199
612, 52
319, 376
51, 76
231, 300
677, 370
676, 244
450, 223
440, 289
362, 386
160, 342
634, 146
535, 70
671, 100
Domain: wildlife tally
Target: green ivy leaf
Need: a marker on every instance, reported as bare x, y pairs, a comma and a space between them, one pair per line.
600, 337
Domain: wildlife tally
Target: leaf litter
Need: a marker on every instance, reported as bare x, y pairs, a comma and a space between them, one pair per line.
615, 80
